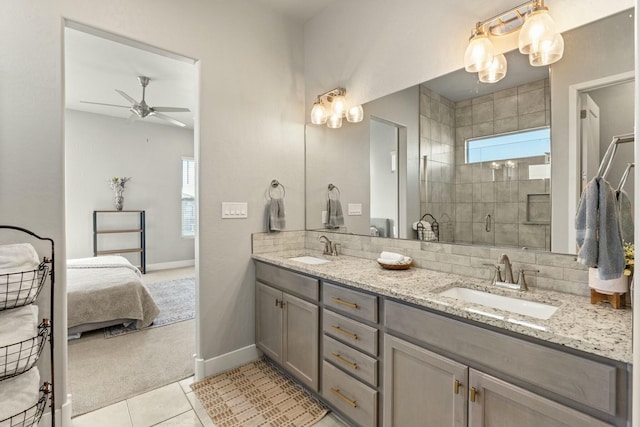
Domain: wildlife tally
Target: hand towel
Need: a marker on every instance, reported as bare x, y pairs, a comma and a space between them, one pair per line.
17, 328
598, 230
393, 258
424, 225
626, 216
18, 257
18, 394
334, 214
275, 215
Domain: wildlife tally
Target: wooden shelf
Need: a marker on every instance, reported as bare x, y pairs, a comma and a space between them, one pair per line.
140, 229
136, 230
118, 251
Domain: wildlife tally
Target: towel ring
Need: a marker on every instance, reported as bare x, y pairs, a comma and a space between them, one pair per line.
274, 185
332, 187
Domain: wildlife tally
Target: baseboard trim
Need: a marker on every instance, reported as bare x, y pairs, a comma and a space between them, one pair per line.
171, 264
206, 368
63, 415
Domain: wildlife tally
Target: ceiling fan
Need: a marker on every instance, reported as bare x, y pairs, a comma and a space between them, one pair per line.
141, 109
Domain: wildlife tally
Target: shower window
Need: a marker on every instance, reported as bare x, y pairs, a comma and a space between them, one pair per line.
513, 145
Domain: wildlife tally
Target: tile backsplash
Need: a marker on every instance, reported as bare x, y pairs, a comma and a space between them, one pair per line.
558, 272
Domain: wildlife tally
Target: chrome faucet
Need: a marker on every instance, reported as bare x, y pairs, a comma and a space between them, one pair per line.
328, 247
508, 273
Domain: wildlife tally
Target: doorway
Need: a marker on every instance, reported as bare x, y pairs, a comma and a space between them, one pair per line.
384, 182
131, 112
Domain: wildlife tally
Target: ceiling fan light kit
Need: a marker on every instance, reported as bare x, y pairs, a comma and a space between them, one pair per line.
142, 110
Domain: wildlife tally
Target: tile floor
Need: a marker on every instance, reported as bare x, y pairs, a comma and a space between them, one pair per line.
174, 405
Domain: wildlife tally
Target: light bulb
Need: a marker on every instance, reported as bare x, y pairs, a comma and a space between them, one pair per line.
538, 30
355, 114
339, 105
479, 53
335, 121
550, 53
318, 113
495, 72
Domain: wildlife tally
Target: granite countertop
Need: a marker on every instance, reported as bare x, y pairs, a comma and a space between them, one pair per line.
578, 324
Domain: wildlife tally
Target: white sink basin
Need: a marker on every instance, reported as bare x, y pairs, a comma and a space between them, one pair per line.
310, 260
513, 305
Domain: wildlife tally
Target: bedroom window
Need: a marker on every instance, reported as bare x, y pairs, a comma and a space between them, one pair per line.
188, 198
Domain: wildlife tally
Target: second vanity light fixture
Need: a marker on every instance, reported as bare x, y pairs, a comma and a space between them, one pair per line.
538, 38
331, 107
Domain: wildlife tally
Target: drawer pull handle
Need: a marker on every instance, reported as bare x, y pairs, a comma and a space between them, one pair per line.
348, 304
345, 361
456, 386
473, 393
343, 332
343, 397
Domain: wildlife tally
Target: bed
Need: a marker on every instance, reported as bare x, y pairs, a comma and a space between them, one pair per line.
106, 291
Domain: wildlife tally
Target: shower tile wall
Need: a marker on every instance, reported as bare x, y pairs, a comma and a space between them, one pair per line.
513, 208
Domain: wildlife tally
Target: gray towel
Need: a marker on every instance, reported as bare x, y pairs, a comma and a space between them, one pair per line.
626, 216
275, 215
334, 214
598, 230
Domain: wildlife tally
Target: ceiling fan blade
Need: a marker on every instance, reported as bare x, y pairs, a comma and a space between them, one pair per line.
171, 109
127, 97
167, 118
102, 103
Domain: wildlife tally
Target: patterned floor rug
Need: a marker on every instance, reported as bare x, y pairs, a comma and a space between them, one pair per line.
257, 394
176, 300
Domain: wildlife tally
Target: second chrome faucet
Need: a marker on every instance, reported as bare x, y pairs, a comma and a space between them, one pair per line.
508, 281
329, 247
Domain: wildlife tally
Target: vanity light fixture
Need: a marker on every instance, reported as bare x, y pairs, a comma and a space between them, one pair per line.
332, 106
538, 38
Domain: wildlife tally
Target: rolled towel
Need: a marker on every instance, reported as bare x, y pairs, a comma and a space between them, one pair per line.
403, 261
391, 256
424, 225
18, 394
16, 327
18, 257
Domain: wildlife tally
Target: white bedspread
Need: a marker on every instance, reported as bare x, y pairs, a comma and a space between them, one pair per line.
18, 394
107, 288
17, 325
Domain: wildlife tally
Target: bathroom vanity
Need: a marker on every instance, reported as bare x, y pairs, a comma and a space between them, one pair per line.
385, 347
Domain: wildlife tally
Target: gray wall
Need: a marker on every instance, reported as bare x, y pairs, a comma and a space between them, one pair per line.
98, 147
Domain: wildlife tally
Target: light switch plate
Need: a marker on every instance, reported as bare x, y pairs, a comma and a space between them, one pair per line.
235, 210
354, 209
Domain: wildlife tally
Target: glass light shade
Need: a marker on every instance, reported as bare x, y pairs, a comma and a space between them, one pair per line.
355, 114
479, 53
339, 105
318, 114
496, 71
550, 53
335, 121
538, 30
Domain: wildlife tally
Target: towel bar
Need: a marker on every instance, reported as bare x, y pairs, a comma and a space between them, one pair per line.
274, 185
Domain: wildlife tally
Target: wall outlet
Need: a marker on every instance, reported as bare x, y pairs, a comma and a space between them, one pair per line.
234, 210
324, 217
354, 209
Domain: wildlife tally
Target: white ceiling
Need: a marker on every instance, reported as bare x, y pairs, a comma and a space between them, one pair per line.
298, 10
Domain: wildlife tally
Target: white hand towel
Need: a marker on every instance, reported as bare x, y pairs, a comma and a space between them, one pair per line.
18, 257
403, 261
18, 394
392, 256
424, 225
17, 327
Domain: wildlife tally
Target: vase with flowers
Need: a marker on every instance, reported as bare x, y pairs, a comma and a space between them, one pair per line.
117, 185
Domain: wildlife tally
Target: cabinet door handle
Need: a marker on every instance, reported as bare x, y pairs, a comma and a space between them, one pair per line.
348, 304
473, 393
336, 391
343, 332
277, 302
456, 386
345, 361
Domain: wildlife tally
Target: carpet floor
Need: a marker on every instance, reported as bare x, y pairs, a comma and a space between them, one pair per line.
176, 300
257, 394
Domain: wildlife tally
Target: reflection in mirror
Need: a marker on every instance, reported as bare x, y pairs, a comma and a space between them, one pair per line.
517, 200
384, 170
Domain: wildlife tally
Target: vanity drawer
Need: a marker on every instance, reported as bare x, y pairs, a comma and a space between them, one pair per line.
361, 305
351, 360
577, 378
349, 331
289, 281
353, 398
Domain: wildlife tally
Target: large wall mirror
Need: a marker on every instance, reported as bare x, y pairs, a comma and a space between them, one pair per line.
492, 164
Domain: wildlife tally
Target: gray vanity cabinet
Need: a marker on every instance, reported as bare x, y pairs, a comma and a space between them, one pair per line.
493, 403
287, 326
422, 388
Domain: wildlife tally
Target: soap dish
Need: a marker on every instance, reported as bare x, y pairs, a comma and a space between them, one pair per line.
396, 266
